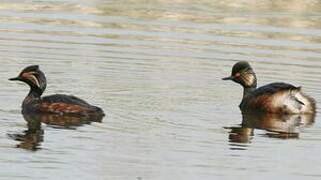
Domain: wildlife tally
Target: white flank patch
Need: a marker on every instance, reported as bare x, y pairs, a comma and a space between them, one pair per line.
307, 105
287, 100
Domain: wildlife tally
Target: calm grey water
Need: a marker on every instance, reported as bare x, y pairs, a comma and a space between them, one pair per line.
155, 67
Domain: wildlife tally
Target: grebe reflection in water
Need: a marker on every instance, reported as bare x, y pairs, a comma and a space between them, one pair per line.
31, 138
283, 126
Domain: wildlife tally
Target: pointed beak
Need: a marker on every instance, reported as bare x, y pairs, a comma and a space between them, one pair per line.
15, 79
228, 78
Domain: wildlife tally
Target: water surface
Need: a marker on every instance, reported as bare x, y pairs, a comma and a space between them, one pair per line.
155, 67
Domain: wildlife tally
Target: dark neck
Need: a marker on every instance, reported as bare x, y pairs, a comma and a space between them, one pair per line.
248, 90
34, 94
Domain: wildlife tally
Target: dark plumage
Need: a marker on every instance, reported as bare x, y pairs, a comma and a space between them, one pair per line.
273, 98
57, 104
273, 88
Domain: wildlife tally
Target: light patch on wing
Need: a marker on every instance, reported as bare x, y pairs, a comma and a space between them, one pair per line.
31, 76
291, 101
282, 101
307, 107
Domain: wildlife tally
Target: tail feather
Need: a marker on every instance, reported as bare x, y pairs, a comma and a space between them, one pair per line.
97, 111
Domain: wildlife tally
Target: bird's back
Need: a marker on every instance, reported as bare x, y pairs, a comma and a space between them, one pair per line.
278, 98
67, 104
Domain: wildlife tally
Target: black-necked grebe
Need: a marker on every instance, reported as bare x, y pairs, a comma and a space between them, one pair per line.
272, 98
57, 104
